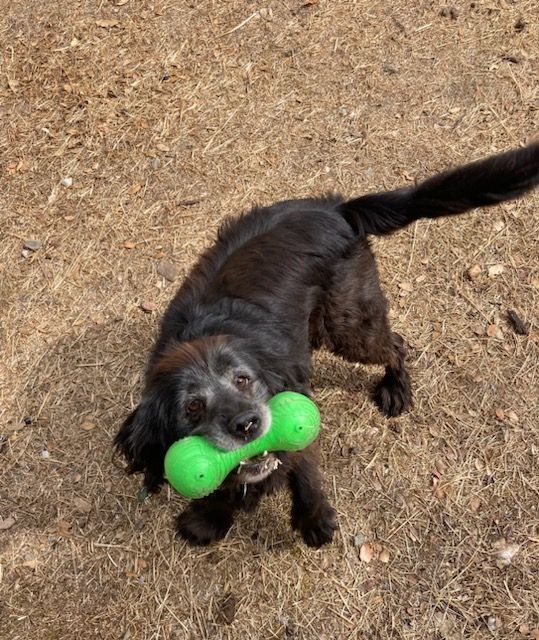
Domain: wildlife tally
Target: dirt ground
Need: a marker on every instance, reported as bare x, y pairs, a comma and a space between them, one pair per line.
129, 130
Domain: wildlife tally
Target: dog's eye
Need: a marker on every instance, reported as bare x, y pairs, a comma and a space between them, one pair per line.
194, 406
242, 382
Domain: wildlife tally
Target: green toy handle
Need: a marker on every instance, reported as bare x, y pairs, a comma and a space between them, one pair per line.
195, 467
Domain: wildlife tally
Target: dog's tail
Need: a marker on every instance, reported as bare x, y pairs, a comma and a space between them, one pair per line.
480, 184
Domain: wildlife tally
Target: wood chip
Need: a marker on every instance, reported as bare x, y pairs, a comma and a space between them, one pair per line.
106, 24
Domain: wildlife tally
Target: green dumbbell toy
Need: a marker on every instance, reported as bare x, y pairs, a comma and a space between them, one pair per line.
195, 467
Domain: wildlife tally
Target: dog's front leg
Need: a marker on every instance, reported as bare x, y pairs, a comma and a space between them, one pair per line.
312, 515
206, 520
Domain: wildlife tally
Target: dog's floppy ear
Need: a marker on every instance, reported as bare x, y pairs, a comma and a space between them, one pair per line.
145, 437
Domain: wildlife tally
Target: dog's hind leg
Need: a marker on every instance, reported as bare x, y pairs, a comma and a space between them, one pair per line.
357, 328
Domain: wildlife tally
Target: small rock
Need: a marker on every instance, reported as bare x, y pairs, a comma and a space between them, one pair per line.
449, 12
32, 244
474, 272
129, 244
66, 182
384, 556
25, 253
524, 629
87, 425
45, 454
359, 539
148, 307
389, 69
366, 552
156, 163
167, 270
493, 624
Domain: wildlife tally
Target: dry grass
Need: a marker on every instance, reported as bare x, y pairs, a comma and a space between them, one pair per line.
170, 117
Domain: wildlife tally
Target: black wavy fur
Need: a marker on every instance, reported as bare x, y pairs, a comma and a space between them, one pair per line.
278, 282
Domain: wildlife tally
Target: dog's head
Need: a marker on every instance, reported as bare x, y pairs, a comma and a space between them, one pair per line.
215, 387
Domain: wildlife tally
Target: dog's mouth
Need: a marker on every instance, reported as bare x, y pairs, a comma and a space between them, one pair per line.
257, 468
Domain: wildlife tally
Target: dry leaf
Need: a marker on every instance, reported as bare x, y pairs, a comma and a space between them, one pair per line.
495, 270
7, 523
162, 147
406, 286
384, 556
474, 271
31, 564
495, 331
506, 552
134, 188
106, 24
512, 416
366, 552
64, 528
82, 505
87, 425
479, 464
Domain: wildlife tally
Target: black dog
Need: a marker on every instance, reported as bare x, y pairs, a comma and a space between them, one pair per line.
278, 282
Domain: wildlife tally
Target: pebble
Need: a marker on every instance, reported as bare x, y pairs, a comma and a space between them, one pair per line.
147, 306
66, 182
167, 270
32, 244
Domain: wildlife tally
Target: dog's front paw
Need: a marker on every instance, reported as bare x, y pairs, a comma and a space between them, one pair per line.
200, 527
316, 528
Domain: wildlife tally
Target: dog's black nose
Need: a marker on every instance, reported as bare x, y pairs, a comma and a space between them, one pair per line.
245, 425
